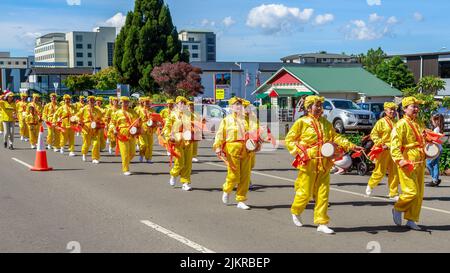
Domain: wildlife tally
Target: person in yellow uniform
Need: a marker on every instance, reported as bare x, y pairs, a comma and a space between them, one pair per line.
91, 119
8, 111
125, 119
33, 122
165, 113
37, 104
381, 137
229, 145
80, 104
305, 139
176, 129
47, 115
1, 115
99, 105
64, 119
253, 122
146, 138
21, 113
196, 125
109, 123
407, 151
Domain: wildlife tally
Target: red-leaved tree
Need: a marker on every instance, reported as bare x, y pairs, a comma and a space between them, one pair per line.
178, 79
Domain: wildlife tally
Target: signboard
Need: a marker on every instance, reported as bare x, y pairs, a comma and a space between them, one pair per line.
118, 91
220, 94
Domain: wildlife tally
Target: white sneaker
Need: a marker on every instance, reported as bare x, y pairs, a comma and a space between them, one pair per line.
168, 154
49, 147
194, 159
172, 181
368, 190
107, 141
397, 217
21, 138
127, 173
297, 220
325, 229
110, 150
186, 187
26, 139
55, 150
33, 147
61, 151
225, 198
95, 161
84, 158
394, 198
413, 225
242, 205
141, 159
71, 154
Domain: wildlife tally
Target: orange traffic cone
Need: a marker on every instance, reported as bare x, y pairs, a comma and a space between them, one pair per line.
41, 154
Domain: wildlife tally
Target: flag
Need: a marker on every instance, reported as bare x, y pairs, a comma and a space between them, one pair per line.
247, 80
258, 81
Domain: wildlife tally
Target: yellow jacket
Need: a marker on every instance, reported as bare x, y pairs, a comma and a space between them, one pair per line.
49, 110
303, 134
176, 124
37, 108
381, 132
7, 111
21, 107
232, 128
123, 120
63, 115
145, 115
32, 119
165, 113
79, 105
404, 142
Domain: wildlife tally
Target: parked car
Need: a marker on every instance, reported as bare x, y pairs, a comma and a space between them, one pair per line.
225, 105
212, 115
345, 115
375, 107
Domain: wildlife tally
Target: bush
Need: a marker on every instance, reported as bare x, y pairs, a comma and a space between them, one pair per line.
444, 161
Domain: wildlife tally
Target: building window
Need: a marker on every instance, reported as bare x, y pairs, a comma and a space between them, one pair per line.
79, 54
17, 63
194, 55
80, 64
110, 54
79, 46
89, 46
24, 63
9, 63
211, 49
89, 54
79, 38
195, 47
185, 47
89, 63
1, 62
211, 40
191, 39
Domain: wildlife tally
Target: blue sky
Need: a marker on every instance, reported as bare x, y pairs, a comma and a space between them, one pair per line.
251, 30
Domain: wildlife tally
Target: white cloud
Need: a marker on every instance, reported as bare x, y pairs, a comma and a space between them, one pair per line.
274, 18
117, 21
323, 19
73, 2
374, 2
208, 23
228, 21
418, 17
392, 20
375, 18
359, 30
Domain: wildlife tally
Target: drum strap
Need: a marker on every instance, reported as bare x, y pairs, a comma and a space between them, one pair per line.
418, 137
319, 134
389, 122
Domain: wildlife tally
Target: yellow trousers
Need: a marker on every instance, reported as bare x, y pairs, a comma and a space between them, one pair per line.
146, 145
112, 139
239, 158
312, 182
102, 138
127, 152
91, 138
23, 128
67, 137
33, 132
385, 163
410, 200
195, 149
183, 165
1, 125
53, 137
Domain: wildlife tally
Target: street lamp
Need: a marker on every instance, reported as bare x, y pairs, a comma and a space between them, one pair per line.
56, 84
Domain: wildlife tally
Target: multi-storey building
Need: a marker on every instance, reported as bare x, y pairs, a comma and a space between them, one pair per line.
201, 45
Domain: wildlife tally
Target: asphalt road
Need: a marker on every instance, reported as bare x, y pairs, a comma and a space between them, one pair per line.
93, 208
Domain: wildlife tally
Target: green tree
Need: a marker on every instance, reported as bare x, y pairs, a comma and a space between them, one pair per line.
147, 40
394, 71
79, 83
373, 59
430, 85
106, 79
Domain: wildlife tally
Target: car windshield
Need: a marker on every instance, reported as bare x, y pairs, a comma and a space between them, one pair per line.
346, 105
377, 108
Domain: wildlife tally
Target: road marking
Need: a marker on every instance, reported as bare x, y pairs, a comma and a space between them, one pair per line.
23, 163
331, 188
177, 237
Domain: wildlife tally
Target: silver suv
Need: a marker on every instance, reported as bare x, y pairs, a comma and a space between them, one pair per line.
345, 115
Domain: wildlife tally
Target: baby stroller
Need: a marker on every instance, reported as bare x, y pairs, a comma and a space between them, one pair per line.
361, 163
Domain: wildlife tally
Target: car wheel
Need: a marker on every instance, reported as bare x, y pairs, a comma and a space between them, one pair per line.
362, 168
339, 126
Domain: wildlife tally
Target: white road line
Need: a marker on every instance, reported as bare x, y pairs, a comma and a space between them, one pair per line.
177, 237
331, 188
23, 163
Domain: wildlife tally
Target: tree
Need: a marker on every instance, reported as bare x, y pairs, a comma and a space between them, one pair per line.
430, 85
395, 72
79, 83
178, 79
373, 59
147, 40
106, 79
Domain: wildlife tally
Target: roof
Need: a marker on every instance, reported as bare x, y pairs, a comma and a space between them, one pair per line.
196, 31
60, 71
338, 79
318, 55
421, 54
216, 66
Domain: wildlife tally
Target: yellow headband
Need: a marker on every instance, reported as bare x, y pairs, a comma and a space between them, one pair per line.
181, 99
411, 100
310, 100
170, 101
235, 100
65, 97
390, 105
123, 98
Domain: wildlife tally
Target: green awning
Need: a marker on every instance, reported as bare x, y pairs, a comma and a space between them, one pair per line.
291, 92
299, 94
262, 96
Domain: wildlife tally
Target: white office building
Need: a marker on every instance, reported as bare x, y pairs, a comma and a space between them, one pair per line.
201, 45
93, 49
12, 71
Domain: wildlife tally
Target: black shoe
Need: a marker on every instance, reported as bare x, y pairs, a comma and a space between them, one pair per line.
432, 184
11, 147
438, 182
4, 144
